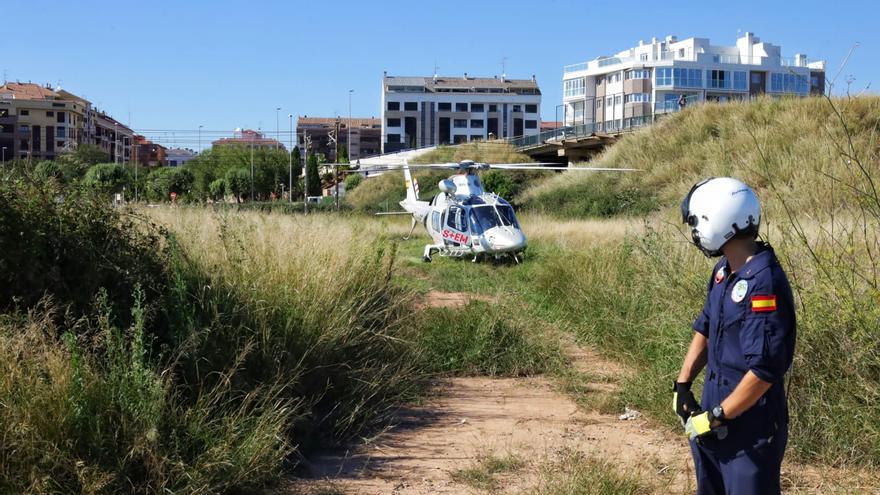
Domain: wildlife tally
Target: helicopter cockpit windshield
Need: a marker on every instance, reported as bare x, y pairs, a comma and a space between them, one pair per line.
485, 217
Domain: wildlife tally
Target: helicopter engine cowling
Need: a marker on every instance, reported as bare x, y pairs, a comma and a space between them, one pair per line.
447, 186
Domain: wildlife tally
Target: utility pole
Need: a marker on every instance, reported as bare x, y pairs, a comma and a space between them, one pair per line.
336, 165
200, 140
252, 165
306, 145
290, 158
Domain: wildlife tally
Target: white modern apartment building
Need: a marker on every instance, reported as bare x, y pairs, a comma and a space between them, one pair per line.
429, 111
636, 85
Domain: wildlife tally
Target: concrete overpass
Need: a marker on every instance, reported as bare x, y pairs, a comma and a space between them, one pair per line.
569, 144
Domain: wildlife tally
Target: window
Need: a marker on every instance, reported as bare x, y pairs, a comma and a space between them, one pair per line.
476, 124
393, 138
435, 221
639, 74
60, 117
493, 108
24, 112
577, 111
25, 128
410, 106
573, 87
4, 112
789, 83
531, 124
617, 100
643, 57
739, 80
517, 108
609, 101
477, 107
664, 76
638, 98
393, 123
531, 108
60, 105
393, 106
50, 114
599, 104
456, 218
444, 107
459, 138
461, 107
688, 78
61, 132
7, 128
719, 79
460, 123
59, 144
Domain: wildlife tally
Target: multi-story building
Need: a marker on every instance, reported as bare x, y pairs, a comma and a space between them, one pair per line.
113, 137
366, 135
428, 111
635, 86
249, 137
148, 153
175, 157
39, 122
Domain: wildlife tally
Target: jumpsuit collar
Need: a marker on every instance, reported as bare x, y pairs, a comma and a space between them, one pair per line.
759, 261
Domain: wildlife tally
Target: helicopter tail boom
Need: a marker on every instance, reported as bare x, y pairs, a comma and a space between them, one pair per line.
412, 185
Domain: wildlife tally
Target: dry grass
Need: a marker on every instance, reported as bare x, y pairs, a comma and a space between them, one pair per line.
487, 152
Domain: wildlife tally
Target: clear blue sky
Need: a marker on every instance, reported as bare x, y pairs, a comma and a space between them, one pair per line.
225, 64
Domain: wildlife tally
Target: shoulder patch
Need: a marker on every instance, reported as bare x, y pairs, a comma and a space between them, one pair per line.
763, 304
719, 275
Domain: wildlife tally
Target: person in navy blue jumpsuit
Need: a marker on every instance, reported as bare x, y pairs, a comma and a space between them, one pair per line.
745, 338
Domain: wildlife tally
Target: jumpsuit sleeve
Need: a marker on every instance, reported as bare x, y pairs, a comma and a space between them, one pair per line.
701, 324
765, 333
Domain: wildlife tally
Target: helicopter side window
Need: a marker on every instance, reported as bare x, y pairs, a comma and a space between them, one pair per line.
456, 218
435, 221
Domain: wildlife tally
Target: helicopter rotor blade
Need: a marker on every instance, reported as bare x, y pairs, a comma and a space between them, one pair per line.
514, 166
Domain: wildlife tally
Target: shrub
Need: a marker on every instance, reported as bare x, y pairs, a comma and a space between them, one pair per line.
107, 178
352, 181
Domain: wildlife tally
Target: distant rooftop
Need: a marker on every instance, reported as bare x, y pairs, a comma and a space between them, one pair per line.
27, 91
457, 84
248, 137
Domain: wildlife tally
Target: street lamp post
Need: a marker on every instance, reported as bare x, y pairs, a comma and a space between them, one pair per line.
252, 165
290, 158
348, 144
200, 140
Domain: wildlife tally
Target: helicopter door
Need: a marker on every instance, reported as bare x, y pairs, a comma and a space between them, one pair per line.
455, 231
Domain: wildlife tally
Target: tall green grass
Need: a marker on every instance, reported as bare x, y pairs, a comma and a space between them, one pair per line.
636, 301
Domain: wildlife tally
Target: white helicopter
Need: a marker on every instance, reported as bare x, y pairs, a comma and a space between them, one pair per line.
465, 220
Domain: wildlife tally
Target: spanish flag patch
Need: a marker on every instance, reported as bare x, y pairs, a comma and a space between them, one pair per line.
763, 304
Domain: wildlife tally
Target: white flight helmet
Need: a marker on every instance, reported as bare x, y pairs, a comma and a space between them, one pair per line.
717, 209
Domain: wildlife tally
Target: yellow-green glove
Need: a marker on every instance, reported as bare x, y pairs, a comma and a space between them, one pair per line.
700, 425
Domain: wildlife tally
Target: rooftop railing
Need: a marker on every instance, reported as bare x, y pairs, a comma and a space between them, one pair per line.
688, 56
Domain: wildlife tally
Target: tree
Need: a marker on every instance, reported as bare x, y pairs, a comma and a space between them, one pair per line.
85, 154
107, 178
352, 181
343, 154
500, 183
166, 180
313, 181
218, 189
238, 181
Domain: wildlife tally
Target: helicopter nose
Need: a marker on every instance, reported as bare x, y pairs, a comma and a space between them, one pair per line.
504, 240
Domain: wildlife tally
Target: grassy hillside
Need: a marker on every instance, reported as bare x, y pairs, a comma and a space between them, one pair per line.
795, 145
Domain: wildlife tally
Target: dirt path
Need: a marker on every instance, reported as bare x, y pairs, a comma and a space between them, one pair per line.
474, 418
